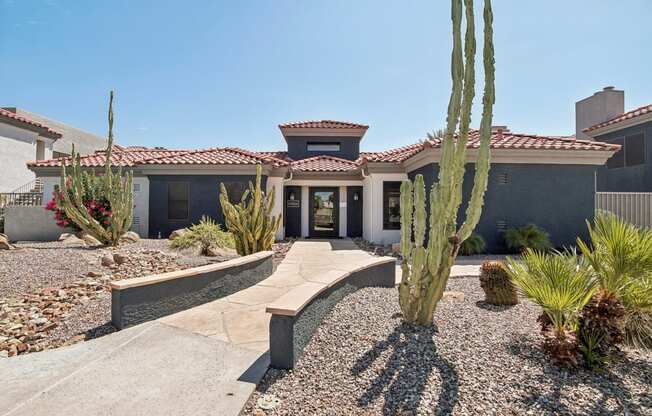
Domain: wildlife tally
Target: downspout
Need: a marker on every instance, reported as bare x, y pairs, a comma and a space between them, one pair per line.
283, 182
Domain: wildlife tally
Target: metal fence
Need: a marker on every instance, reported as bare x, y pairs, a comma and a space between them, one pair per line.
634, 207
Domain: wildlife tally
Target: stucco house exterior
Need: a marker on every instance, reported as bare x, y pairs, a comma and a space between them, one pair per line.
326, 187
26, 137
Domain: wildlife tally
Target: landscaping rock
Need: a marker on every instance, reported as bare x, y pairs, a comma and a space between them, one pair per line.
64, 236
453, 295
177, 233
107, 260
88, 239
129, 237
227, 253
71, 239
120, 258
4, 242
396, 248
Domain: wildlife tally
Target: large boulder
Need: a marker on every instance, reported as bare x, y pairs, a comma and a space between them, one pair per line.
4, 242
70, 239
225, 253
129, 237
178, 233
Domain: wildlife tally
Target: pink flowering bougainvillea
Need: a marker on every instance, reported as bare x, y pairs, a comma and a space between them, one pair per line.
97, 206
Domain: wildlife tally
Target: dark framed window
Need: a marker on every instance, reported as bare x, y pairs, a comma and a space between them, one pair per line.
235, 190
178, 200
618, 159
391, 205
635, 149
323, 146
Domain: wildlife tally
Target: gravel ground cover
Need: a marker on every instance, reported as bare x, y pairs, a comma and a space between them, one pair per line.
477, 360
56, 293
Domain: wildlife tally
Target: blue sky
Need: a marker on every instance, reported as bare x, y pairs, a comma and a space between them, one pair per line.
217, 73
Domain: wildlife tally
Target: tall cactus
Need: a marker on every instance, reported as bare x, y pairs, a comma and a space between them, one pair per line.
114, 186
425, 270
250, 221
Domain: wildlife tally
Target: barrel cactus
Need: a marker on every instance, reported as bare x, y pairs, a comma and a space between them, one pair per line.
112, 186
426, 269
250, 221
496, 284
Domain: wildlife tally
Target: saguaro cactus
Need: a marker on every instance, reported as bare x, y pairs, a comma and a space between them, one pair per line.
115, 187
425, 270
250, 221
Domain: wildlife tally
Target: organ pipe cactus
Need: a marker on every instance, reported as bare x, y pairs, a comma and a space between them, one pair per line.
425, 269
250, 221
115, 187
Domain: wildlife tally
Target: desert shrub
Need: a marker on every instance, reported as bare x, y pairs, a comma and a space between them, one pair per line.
600, 328
561, 285
529, 236
205, 234
620, 256
473, 245
497, 284
92, 197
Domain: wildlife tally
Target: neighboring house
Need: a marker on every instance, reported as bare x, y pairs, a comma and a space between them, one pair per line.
325, 187
22, 140
26, 137
630, 169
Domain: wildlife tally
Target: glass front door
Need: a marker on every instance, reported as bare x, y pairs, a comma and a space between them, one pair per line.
324, 209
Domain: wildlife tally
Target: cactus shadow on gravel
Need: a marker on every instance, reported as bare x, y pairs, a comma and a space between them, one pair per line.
493, 308
406, 373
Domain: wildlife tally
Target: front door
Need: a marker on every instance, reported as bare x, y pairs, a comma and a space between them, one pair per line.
292, 211
324, 212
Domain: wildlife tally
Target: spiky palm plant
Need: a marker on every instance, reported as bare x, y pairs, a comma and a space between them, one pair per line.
620, 255
562, 286
528, 236
473, 245
425, 270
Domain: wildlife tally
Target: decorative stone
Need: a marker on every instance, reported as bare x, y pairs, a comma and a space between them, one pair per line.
268, 402
93, 273
4, 242
64, 236
107, 260
88, 239
129, 237
221, 252
178, 233
71, 239
119, 258
396, 248
453, 296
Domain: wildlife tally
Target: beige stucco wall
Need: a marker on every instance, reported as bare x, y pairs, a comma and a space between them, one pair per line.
17, 147
372, 229
31, 224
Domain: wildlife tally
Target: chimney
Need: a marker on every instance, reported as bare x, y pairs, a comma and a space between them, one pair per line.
499, 130
600, 107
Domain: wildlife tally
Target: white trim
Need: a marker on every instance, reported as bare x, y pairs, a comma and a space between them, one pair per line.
630, 122
520, 156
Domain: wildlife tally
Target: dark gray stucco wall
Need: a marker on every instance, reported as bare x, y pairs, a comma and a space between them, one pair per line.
557, 198
636, 178
203, 199
349, 147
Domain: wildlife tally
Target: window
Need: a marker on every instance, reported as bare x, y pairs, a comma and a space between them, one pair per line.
631, 153
635, 150
323, 147
391, 205
618, 159
235, 190
178, 195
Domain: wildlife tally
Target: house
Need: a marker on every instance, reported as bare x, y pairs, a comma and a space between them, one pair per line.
26, 136
603, 118
326, 187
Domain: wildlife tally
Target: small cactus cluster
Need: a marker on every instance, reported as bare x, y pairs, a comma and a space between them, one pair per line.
496, 284
426, 269
112, 187
250, 221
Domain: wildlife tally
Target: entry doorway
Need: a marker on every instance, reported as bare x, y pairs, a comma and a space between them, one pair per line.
324, 207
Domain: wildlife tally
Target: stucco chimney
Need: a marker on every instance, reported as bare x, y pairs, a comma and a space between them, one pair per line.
600, 107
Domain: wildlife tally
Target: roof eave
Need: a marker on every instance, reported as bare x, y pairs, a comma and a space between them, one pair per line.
620, 125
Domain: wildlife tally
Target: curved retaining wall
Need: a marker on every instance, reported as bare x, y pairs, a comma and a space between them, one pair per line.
134, 301
296, 316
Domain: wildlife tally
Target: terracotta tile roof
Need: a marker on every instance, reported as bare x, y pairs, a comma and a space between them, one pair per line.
499, 140
322, 124
281, 155
139, 155
646, 109
324, 163
42, 129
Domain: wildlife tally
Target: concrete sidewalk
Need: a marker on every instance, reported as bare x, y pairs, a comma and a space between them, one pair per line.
203, 361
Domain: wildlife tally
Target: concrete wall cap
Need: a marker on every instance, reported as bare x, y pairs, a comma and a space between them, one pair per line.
194, 271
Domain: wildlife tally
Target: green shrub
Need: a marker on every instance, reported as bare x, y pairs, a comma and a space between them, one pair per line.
529, 236
562, 285
473, 245
600, 328
620, 256
497, 284
206, 234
